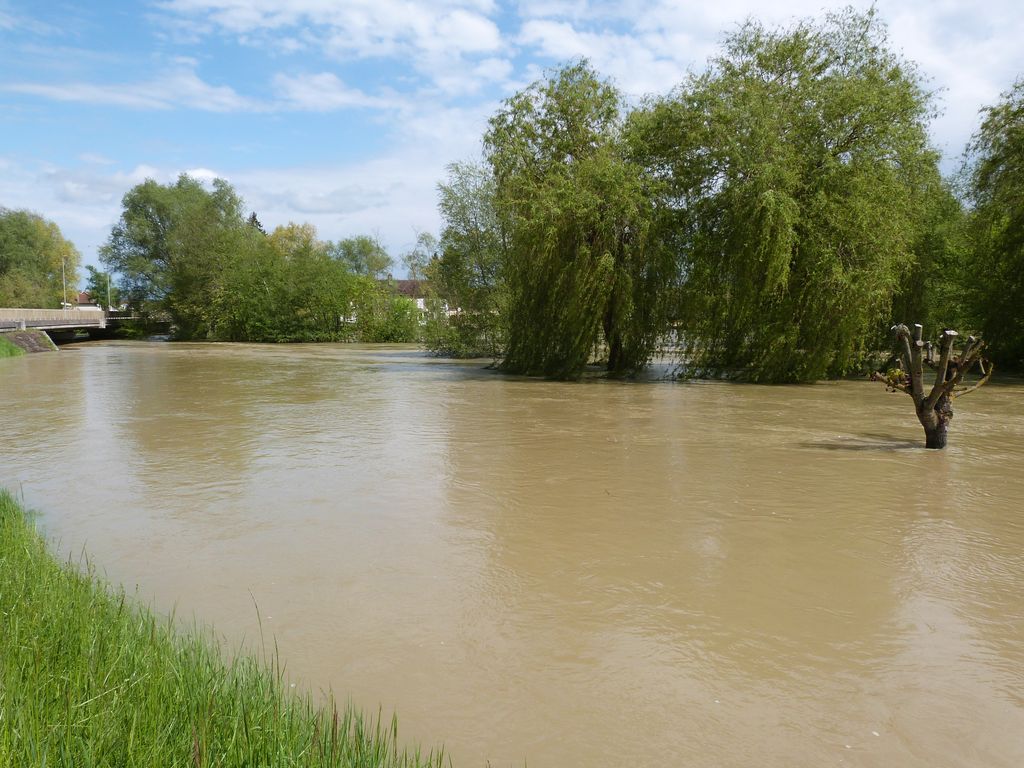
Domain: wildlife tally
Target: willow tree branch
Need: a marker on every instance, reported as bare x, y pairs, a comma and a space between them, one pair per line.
939, 388
916, 367
903, 340
979, 383
972, 352
967, 361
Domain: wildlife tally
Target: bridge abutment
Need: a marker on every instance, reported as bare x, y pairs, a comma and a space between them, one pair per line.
30, 340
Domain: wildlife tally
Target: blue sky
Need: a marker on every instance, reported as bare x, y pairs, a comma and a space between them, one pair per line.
345, 113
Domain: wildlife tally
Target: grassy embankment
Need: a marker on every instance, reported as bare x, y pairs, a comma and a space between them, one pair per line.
7, 349
89, 678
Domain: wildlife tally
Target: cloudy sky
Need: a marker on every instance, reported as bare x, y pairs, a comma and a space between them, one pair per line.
344, 113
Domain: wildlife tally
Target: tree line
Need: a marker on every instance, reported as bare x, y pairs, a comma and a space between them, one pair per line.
191, 252
769, 219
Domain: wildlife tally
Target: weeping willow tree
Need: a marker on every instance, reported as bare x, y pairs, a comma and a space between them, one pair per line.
578, 264
796, 166
936, 292
996, 188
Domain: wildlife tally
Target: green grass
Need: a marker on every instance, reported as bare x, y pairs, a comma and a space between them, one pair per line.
7, 349
90, 678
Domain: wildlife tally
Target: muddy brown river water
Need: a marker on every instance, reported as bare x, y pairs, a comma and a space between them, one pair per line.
592, 574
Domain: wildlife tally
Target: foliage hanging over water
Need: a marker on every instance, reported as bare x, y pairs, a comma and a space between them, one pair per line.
933, 292
798, 167
996, 188
769, 219
578, 261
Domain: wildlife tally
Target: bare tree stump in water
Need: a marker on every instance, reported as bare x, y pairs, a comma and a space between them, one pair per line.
934, 410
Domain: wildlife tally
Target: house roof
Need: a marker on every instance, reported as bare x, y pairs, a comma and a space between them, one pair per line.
414, 289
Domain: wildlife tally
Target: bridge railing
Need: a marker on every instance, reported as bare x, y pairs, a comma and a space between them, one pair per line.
52, 318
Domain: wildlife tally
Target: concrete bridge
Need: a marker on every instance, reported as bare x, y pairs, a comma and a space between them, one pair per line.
92, 320
52, 319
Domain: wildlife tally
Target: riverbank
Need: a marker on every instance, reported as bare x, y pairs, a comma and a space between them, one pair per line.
16, 343
87, 677
8, 349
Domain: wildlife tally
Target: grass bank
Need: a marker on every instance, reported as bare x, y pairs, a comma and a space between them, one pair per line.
90, 678
7, 349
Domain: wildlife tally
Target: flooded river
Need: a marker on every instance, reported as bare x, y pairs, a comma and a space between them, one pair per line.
593, 574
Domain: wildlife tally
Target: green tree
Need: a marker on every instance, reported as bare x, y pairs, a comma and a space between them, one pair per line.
798, 168
363, 255
255, 223
101, 288
579, 264
172, 245
37, 265
996, 190
935, 290
466, 312
417, 259
385, 317
251, 303
319, 290
284, 287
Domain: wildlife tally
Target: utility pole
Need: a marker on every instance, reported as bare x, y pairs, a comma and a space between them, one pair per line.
108, 291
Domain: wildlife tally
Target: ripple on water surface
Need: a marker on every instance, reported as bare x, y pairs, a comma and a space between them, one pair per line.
587, 574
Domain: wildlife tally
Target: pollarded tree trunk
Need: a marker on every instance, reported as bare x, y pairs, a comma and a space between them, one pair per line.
934, 409
936, 422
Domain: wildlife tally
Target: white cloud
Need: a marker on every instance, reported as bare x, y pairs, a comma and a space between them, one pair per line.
467, 32
93, 158
494, 69
555, 9
204, 175
470, 80
441, 41
10, 20
632, 62
322, 92
93, 187
363, 27
87, 93
557, 39
179, 86
969, 56
340, 201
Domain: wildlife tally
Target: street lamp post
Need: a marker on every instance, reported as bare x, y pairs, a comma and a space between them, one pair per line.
64, 279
